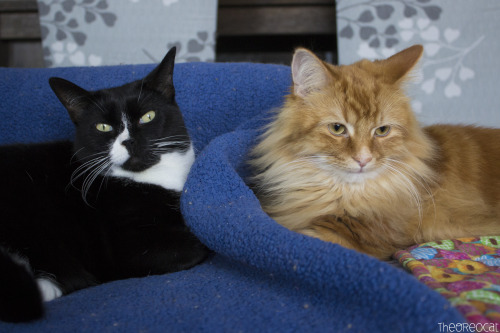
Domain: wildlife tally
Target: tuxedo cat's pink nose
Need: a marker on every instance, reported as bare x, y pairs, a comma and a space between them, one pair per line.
363, 160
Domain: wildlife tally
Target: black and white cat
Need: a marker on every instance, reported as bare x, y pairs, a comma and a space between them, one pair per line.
103, 208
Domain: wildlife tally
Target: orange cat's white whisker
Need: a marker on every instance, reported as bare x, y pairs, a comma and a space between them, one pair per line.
421, 180
410, 187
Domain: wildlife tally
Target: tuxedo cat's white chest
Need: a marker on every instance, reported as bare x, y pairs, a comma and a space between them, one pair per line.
170, 173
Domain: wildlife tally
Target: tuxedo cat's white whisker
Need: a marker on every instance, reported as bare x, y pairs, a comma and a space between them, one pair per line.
180, 145
81, 170
100, 107
159, 151
104, 177
169, 148
92, 168
89, 180
165, 150
168, 140
140, 91
96, 171
171, 143
169, 137
74, 155
172, 137
100, 154
85, 167
29, 176
75, 98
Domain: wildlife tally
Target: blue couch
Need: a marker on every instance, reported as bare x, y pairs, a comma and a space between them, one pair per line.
262, 276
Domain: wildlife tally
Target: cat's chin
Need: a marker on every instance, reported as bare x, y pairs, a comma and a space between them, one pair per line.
357, 176
136, 164
170, 172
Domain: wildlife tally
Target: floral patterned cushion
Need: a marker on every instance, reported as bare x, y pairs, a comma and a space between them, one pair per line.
466, 271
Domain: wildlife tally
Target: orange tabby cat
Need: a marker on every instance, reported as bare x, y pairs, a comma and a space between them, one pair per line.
346, 161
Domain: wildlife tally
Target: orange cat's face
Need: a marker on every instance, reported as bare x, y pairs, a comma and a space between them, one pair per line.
354, 121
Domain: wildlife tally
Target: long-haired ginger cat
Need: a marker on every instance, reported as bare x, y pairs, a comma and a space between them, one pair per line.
346, 161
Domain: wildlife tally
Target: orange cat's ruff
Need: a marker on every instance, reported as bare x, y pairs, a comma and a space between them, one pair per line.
346, 161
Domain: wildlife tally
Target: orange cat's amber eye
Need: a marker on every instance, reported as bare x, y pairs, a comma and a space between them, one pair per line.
382, 130
337, 129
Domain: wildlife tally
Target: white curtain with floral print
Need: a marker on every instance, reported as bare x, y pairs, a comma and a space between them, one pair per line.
112, 32
457, 80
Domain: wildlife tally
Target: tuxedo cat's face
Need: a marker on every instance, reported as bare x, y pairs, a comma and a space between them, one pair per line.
132, 124
134, 131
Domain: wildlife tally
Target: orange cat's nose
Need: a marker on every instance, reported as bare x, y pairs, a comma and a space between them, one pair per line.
363, 160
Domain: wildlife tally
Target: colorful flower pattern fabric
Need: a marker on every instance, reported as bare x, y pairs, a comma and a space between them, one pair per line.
466, 271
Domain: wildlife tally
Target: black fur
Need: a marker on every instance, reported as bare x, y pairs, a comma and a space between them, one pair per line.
118, 228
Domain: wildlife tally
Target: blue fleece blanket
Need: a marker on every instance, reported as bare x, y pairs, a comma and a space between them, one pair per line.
262, 276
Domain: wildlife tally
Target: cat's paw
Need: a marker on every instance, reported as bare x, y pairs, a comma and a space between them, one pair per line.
48, 289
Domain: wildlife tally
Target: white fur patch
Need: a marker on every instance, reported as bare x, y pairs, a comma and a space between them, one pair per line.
356, 177
48, 289
119, 153
350, 175
170, 173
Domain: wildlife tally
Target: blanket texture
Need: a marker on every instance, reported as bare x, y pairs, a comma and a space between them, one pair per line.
262, 276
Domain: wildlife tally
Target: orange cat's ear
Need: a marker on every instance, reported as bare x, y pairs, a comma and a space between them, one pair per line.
399, 65
309, 73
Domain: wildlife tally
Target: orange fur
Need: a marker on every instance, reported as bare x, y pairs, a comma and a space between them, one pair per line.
370, 192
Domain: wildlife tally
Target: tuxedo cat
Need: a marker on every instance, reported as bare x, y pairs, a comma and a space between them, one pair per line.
105, 207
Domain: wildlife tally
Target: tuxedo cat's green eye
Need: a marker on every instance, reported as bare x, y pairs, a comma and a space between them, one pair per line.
337, 129
382, 130
104, 127
147, 117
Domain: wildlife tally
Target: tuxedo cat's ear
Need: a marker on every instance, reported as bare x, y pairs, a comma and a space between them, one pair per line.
161, 78
309, 73
397, 67
74, 98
